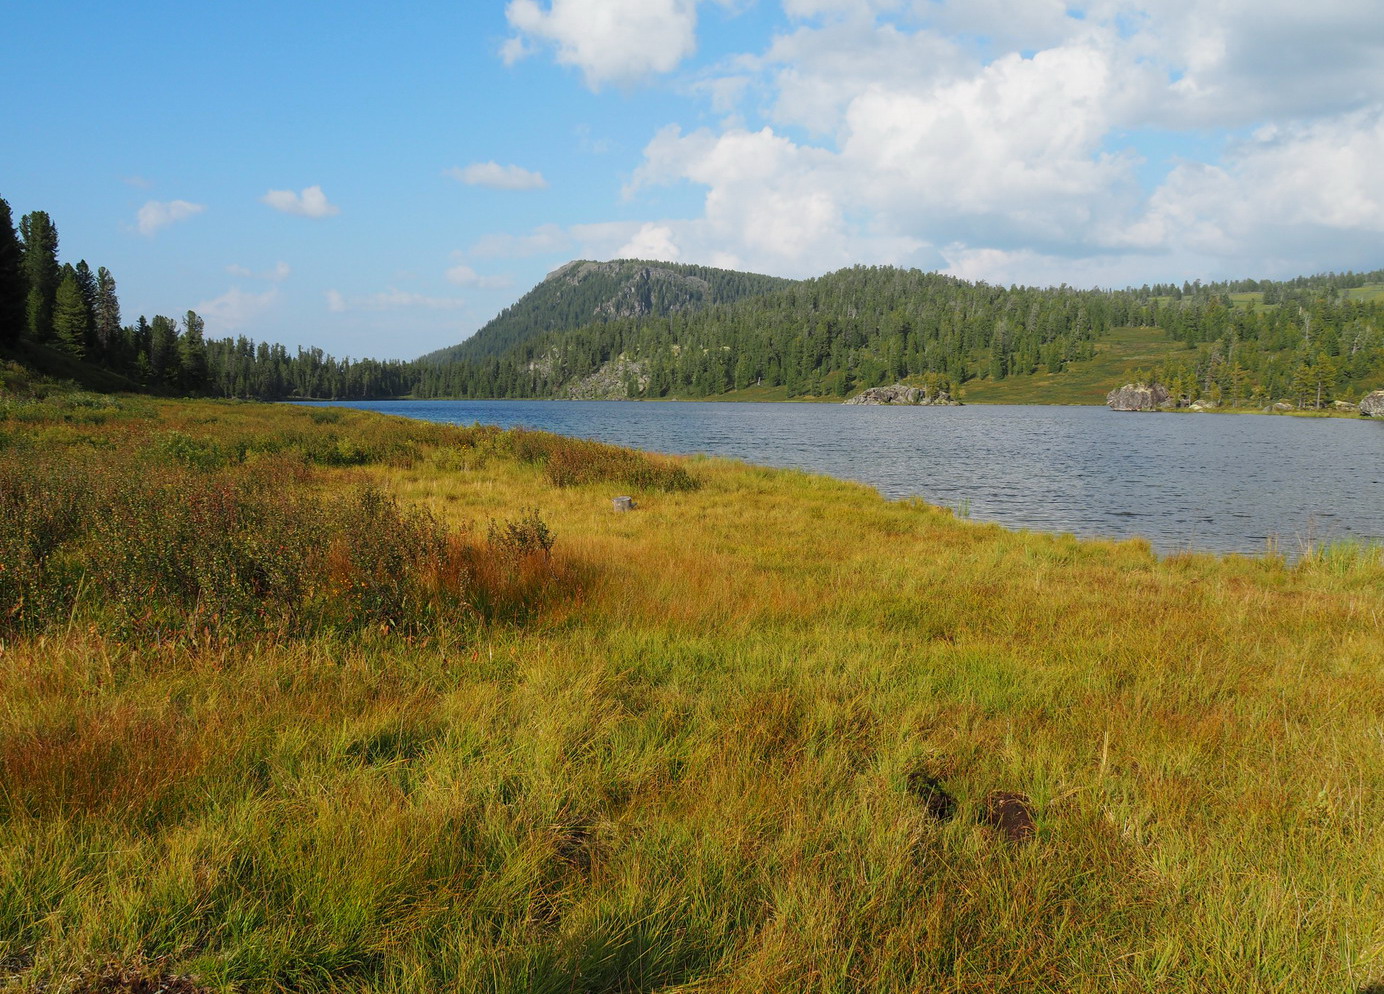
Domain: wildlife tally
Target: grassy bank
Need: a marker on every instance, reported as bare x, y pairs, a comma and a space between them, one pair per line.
461, 726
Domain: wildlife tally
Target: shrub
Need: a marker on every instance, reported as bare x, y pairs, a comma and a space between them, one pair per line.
572, 461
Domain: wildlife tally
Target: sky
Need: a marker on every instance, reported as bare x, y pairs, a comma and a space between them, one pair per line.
382, 179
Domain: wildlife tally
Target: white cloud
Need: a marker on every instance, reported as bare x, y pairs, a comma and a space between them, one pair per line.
156, 214
651, 241
498, 177
1306, 192
543, 240
235, 309
463, 275
1012, 140
392, 299
514, 49
610, 41
311, 202
278, 274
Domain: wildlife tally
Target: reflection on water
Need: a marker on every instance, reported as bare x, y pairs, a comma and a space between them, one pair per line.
1228, 483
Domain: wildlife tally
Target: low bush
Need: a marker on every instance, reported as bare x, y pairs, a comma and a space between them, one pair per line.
191, 550
571, 462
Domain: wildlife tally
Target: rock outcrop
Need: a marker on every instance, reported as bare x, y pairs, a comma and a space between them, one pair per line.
1139, 397
618, 379
1372, 405
899, 393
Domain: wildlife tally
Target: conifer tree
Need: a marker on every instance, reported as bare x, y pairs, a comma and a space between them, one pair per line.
41, 273
163, 349
86, 282
107, 324
14, 288
192, 353
71, 325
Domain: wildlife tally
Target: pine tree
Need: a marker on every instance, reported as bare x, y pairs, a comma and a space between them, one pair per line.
41, 272
192, 353
163, 349
107, 324
14, 288
70, 322
86, 282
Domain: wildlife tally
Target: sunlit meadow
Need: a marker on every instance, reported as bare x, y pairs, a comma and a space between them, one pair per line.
303, 699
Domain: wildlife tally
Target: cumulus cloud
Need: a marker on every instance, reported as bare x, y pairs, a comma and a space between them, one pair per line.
498, 177
1009, 140
278, 274
651, 241
158, 214
392, 299
1013, 140
311, 202
610, 41
1291, 190
235, 309
463, 275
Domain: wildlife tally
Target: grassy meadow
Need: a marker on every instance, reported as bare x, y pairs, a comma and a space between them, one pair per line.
310, 699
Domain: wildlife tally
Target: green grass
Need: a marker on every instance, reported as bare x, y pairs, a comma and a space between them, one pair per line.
695, 762
1085, 382
1370, 292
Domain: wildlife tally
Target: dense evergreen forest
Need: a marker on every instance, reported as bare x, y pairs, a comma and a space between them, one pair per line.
1310, 339
59, 311
631, 328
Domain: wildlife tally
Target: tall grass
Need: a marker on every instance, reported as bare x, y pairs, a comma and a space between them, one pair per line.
714, 763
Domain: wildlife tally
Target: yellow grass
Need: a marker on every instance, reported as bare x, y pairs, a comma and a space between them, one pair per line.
692, 771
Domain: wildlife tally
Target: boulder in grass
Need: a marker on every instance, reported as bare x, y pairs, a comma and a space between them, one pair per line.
1139, 397
1372, 405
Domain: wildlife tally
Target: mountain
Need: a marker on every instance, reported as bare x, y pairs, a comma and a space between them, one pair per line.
584, 292
647, 335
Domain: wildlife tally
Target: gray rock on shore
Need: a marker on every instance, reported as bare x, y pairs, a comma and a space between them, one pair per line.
1139, 397
1372, 405
899, 393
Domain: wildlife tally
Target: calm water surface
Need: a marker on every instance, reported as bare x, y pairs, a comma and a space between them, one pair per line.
1227, 483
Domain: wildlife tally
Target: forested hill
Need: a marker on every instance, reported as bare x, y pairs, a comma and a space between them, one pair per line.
582, 292
829, 335
1306, 340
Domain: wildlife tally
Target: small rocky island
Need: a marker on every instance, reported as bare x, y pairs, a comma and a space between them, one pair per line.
899, 393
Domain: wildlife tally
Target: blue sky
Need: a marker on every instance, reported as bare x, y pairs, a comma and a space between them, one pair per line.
381, 180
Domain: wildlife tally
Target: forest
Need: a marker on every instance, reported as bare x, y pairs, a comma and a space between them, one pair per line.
664, 330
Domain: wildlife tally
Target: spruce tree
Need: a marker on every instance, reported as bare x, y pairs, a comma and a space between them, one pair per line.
14, 288
163, 350
71, 324
107, 324
41, 273
192, 351
86, 282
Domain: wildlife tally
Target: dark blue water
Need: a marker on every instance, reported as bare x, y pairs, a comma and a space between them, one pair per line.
1225, 483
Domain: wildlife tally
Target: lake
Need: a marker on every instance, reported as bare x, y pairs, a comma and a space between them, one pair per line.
1217, 482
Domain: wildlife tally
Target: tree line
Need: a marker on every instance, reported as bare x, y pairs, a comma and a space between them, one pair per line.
690, 331
74, 310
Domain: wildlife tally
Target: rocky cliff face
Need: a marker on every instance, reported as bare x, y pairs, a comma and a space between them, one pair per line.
898, 393
611, 382
1139, 397
1372, 405
634, 297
